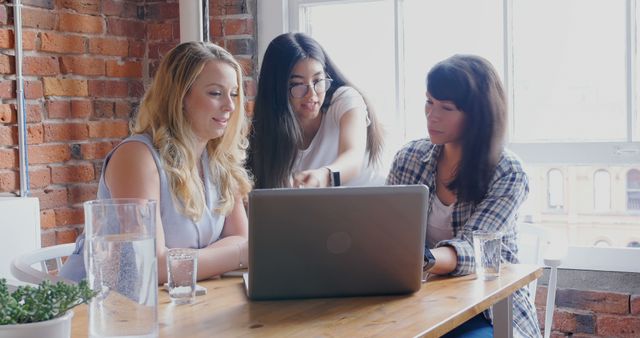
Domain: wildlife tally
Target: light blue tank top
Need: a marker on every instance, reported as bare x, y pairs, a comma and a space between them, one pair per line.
179, 231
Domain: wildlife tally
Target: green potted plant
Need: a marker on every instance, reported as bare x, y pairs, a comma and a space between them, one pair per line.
40, 311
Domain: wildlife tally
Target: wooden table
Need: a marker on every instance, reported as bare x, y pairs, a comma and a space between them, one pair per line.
441, 304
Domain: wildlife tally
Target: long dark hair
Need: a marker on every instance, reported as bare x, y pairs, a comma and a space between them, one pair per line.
276, 135
474, 86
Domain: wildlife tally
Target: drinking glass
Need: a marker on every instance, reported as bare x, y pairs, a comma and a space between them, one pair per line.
182, 269
487, 245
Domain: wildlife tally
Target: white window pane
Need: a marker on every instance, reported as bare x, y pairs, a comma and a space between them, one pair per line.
437, 29
555, 189
601, 191
365, 53
569, 70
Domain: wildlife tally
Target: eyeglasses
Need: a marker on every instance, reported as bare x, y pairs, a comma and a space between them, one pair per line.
319, 86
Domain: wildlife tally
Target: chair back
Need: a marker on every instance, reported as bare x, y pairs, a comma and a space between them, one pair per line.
22, 267
532, 241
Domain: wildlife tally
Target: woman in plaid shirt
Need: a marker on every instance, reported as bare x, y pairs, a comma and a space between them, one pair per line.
474, 182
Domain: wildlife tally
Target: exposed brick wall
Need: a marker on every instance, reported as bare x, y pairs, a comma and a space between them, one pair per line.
85, 66
581, 313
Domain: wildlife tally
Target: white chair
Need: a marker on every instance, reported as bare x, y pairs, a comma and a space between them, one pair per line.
21, 266
532, 243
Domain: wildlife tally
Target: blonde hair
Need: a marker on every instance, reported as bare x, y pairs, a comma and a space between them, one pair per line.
162, 116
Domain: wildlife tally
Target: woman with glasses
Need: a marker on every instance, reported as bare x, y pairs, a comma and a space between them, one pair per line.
309, 121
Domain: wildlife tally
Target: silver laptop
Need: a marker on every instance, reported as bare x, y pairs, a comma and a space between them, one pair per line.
331, 242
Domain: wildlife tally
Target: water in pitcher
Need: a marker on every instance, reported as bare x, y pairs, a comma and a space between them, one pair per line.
124, 272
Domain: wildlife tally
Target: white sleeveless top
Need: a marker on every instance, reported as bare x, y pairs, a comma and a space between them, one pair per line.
324, 147
439, 227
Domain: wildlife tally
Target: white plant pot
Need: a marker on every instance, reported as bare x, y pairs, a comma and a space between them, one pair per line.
55, 328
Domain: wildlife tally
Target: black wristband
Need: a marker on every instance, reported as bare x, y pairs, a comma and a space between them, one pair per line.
429, 260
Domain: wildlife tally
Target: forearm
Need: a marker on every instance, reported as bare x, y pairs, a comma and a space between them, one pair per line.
224, 255
446, 260
349, 164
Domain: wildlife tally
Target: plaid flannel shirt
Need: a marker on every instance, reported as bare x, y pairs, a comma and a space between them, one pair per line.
416, 164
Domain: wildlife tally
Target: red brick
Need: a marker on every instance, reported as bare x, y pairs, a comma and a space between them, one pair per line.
69, 216
39, 177
618, 326
8, 135
58, 109
238, 27
57, 132
128, 28
104, 88
9, 181
35, 133
81, 193
160, 31
216, 27
79, 23
162, 10
29, 40
38, 18
7, 114
81, 108
95, 151
49, 153
82, 65
136, 88
7, 89
573, 321
47, 219
248, 107
603, 302
35, 65
81, 6
541, 296
8, 158
108, 46
159, 49
136, 49
124, 69
6, 38
47, 238
250, 88
7, 64
247, 65
3, 15
33, 90
120, 8
103, 109
34, 112
635, 304
123, 109
228, 7
109, 129
240, 46
76, 173
51, 198
65, 87
66, 236
61, 43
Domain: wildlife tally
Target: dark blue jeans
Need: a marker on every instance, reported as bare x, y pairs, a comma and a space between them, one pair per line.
476, 327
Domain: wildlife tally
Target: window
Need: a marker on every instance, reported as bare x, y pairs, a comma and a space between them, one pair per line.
572, 86
601, 191
633, 189
555, 188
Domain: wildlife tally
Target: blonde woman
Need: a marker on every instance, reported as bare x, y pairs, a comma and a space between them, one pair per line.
187, 151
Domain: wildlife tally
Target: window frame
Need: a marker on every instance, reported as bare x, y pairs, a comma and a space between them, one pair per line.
281, 16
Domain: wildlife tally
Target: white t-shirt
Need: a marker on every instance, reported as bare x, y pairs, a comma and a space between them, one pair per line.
439, 227
324, 147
